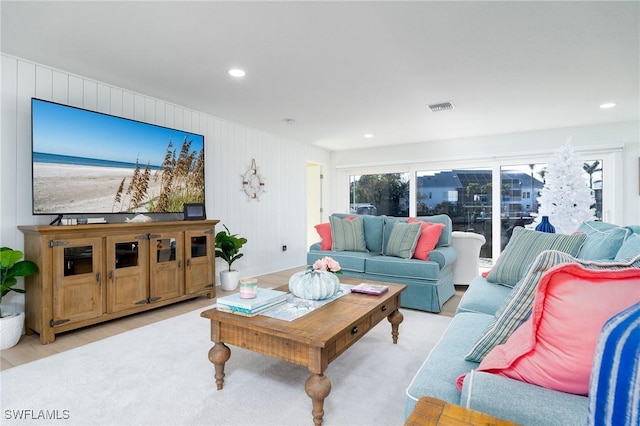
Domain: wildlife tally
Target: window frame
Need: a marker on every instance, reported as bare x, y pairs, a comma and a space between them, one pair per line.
613, 172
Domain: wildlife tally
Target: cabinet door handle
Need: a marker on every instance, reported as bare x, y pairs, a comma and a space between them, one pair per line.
111, 275
189, 263
99, 278
179, 263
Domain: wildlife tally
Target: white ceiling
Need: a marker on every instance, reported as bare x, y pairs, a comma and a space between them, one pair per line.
343, 69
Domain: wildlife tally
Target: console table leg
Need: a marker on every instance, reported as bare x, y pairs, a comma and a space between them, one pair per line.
318, 387
218, 355
395, 318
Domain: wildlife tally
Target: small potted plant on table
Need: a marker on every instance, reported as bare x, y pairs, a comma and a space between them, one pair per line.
12, 324
228, 248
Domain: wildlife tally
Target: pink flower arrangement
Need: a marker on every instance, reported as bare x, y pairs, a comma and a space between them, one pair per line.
327, 264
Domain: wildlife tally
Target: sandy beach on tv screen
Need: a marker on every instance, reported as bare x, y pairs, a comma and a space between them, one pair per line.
65, 188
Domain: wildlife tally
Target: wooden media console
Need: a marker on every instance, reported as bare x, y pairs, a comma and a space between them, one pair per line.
95, 273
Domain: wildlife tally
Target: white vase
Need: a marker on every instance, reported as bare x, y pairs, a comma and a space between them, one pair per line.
11, 327
229, 279
314, 285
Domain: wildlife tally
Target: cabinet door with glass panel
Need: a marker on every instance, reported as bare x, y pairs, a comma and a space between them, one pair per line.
166, 273
199, 271
127, 271
77, 279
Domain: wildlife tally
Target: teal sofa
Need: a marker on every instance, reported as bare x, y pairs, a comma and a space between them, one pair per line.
481, 305
429, 283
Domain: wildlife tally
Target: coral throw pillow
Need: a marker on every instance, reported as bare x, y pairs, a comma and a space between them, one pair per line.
429, 236
555, 347
324, 230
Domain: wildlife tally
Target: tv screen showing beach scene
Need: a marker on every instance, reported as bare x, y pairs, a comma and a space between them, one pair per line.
86, 162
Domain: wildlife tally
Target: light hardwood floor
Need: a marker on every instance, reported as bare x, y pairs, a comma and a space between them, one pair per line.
29, 348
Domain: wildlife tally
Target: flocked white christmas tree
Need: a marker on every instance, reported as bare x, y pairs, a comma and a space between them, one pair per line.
566, 197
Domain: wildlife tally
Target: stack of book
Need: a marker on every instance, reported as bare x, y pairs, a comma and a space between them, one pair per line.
266, 298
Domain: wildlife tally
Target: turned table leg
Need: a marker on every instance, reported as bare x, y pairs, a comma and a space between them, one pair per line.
318, 387
395, 318
218, 355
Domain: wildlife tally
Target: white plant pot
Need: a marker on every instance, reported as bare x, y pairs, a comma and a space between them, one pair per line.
229, 279
11, 327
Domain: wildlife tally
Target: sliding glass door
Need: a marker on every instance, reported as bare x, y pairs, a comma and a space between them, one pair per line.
462, 194
490, 199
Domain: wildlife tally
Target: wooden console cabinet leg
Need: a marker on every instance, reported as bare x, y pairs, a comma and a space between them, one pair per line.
46, 335
395, 318
318, 387
219, 354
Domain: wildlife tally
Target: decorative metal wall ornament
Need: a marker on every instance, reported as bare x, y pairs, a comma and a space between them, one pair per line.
253, 182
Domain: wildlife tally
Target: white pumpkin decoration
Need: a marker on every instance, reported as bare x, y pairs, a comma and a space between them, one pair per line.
314, 285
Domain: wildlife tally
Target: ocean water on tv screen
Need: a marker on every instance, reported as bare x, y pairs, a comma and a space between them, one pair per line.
41, 157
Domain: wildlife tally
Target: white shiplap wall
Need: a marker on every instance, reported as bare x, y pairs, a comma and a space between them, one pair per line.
278, 218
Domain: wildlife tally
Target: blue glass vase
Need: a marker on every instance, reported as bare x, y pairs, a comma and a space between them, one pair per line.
546, 226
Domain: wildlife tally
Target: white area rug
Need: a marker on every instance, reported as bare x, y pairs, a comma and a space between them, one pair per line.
160, 375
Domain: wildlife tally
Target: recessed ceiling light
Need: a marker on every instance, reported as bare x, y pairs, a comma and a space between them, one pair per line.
368, 135
237, 72
608, 105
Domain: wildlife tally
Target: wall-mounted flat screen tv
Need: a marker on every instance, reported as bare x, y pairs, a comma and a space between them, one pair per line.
85, 162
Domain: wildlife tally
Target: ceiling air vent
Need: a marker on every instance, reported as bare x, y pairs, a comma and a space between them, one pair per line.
444, 106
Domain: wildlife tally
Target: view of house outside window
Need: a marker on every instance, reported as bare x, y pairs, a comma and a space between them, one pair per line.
520, 187
380, 194
466, 196
462, 194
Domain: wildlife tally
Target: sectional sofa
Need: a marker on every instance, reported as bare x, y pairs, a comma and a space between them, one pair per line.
429, 282
522, 343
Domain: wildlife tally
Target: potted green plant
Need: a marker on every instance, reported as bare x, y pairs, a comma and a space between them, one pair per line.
11, 324
228, 247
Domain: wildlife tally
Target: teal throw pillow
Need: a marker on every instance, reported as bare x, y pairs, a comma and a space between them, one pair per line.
517, 306
523, 248
403, 239
347, 235
603, 240
630, 248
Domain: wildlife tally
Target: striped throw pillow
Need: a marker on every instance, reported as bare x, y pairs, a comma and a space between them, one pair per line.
347, 234
403, 239
523, 248
614, 391
517, 306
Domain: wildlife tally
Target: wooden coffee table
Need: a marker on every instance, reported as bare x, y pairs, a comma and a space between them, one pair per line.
313, 340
